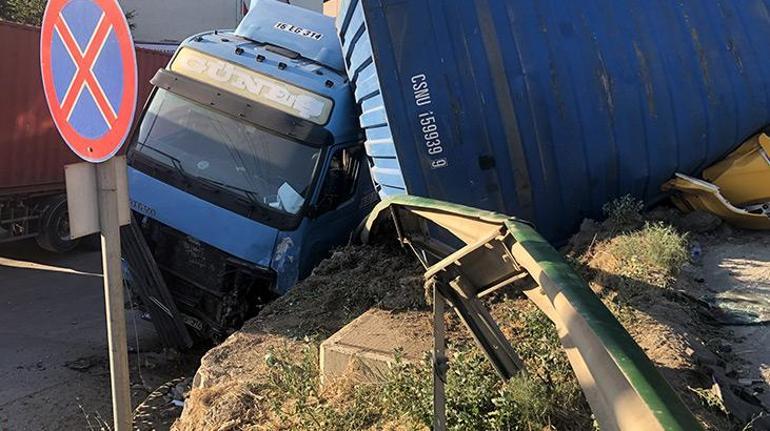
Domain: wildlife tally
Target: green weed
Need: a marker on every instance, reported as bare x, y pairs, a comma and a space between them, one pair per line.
546, 397
654, 254
624, 212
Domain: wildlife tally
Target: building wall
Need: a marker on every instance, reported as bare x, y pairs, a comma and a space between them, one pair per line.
331, 7
175, 20
309, 4
158, 21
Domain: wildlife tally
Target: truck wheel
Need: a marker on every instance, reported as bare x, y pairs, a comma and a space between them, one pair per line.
54, 232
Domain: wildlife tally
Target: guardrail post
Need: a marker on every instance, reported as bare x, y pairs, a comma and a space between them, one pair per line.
440, 363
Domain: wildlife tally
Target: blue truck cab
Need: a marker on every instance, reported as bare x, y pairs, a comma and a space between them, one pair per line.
248, 166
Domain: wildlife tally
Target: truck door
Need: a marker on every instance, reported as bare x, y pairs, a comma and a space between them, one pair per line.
346, 196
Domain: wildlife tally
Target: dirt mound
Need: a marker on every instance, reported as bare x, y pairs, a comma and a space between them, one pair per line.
351, 281
663, 304
343, 287
659, 274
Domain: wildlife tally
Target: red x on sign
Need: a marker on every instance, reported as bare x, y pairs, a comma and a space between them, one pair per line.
85, 63
88, 66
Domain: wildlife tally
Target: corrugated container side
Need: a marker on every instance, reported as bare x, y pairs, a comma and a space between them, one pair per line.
548, 109
362, 71
32, 153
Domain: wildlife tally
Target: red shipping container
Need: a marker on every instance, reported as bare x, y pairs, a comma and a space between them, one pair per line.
32, 154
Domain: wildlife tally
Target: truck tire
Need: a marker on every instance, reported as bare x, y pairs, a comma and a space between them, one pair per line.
55, 227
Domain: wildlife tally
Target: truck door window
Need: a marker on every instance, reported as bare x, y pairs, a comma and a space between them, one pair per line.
340, 182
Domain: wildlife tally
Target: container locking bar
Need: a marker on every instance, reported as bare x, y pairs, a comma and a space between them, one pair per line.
469, 253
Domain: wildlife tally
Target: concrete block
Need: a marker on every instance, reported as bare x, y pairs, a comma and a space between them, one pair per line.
364, 349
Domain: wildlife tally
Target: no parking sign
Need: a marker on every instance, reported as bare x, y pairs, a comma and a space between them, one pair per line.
88, 66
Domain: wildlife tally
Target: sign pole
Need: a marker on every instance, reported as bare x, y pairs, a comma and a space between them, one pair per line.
75, 34
107, 184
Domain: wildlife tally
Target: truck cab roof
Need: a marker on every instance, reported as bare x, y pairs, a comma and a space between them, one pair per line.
310, 34
293, 45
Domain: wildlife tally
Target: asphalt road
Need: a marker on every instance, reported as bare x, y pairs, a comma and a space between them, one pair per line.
54, 372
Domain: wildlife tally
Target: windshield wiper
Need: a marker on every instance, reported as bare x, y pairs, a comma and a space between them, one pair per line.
175, 163
252, 196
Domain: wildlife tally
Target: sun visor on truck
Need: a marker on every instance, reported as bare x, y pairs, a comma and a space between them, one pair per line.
243, 108
253, 85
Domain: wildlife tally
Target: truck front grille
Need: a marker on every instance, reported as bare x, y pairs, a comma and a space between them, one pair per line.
206, 283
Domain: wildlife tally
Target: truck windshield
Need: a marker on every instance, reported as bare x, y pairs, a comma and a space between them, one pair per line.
219, 151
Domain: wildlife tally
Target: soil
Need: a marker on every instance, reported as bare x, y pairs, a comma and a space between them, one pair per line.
737, 264
692, 342
353, 280
680, 330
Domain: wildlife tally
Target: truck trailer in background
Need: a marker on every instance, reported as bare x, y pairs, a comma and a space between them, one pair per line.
32, 153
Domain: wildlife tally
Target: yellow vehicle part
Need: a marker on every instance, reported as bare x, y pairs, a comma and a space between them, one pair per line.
744, 176
694, 194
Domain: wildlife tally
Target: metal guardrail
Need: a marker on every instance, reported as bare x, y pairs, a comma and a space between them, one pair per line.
469, 253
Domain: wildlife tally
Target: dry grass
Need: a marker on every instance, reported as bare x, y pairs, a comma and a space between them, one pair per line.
286, 393
654, 255
546, 398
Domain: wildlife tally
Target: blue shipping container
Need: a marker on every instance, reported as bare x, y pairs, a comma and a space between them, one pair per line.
547, 109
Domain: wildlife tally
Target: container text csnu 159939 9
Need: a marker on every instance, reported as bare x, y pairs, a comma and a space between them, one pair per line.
547, 109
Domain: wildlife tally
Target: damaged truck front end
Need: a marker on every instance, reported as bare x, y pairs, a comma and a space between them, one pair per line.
247, 166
